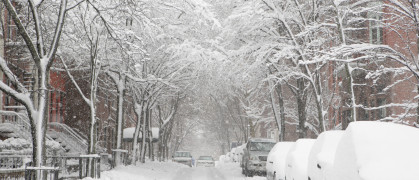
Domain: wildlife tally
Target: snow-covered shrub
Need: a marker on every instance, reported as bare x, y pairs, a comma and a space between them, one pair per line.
240, 152
275, 166
52, 145
321, 158
377, 150
297, 159
222, 158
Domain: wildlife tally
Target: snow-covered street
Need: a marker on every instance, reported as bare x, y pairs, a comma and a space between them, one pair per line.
175, 171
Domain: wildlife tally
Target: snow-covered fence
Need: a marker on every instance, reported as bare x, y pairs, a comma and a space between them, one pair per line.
12, 162
83, 164
123, 157
51, 173
12, 174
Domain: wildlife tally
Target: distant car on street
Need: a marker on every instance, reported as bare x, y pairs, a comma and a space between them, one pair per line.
206, 161
255, 156
183, 157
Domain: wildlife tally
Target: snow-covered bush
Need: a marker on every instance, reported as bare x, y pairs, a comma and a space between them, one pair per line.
16, 146
222, 158
23, 146
377, 150
297, 159
240, 152
321, 158
275, 166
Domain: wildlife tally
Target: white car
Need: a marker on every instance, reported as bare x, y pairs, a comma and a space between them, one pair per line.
206, 161
372, 150
275, 166
322, 155
297, 160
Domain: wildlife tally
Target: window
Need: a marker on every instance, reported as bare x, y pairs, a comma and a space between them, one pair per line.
374, 24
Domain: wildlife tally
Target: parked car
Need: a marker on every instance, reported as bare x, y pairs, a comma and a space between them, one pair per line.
377, 150
183, 157
322, 155
297, 160
255, 156
206, 161
275, 166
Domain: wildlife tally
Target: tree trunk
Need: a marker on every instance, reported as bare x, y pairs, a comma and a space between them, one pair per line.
139, 114
350, 90
120, 111
143, 136
301, 103
281, 111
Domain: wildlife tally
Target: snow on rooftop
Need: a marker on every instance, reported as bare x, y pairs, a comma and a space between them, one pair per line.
377, 150
322, 154
297, 159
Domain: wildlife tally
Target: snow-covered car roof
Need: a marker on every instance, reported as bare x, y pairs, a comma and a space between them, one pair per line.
377, 150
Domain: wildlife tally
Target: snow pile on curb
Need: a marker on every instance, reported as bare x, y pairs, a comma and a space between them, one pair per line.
377, 150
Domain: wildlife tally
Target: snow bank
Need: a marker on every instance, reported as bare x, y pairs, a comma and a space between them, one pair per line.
297, 159
321, 158
240, 152
277, 160
377, 150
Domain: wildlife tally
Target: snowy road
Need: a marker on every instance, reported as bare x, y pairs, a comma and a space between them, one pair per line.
175, 171
224, 171
199, 173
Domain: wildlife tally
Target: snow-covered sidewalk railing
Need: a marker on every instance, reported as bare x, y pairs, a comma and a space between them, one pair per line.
51, 172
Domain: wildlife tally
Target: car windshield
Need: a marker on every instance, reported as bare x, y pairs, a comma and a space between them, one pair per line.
261, 146
205, 158
182, 154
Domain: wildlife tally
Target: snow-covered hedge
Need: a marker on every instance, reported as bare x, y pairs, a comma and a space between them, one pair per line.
297, 159
377, 151
23, 146
275, 166
321, 158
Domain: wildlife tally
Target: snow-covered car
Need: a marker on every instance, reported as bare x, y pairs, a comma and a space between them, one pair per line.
321, 158
206, 161
183, 157
275, 166
255, 156
377, 150
297, 159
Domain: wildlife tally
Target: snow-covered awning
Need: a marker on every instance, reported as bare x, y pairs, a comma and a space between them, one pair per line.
128, 134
